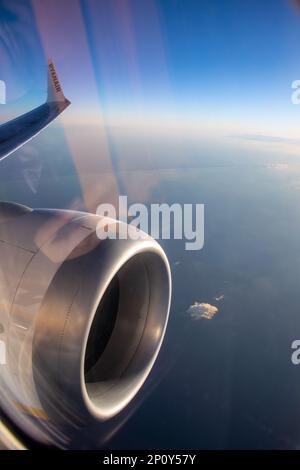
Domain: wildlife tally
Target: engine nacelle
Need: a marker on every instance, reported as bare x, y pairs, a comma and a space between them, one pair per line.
81, 319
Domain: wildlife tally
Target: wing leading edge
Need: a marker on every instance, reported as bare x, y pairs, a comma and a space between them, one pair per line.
18, 131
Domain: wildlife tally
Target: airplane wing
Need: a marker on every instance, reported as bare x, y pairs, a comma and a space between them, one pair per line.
18, 131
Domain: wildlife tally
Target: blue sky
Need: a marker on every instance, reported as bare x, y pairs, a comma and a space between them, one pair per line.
195, 61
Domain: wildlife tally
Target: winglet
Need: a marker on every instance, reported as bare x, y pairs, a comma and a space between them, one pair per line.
55, 93
18, 131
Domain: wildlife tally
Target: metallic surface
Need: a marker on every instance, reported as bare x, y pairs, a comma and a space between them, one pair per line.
54, 277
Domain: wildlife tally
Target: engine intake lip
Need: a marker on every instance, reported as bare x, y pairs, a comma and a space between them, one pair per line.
73, 382
114, 376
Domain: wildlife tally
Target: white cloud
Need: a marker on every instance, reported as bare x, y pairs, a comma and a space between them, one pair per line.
197, 311
220, 297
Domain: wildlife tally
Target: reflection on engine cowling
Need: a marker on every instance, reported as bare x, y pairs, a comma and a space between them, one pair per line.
81, 320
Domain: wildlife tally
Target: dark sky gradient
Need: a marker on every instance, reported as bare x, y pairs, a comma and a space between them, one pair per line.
189, 60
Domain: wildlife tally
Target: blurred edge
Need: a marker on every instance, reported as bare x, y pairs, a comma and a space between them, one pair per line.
8, 441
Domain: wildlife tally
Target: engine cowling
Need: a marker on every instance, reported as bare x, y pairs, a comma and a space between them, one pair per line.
82, 319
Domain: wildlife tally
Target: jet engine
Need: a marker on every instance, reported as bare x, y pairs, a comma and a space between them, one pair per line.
82, 319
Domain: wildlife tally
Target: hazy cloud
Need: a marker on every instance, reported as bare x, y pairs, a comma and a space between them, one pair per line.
278, 166
268, 139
